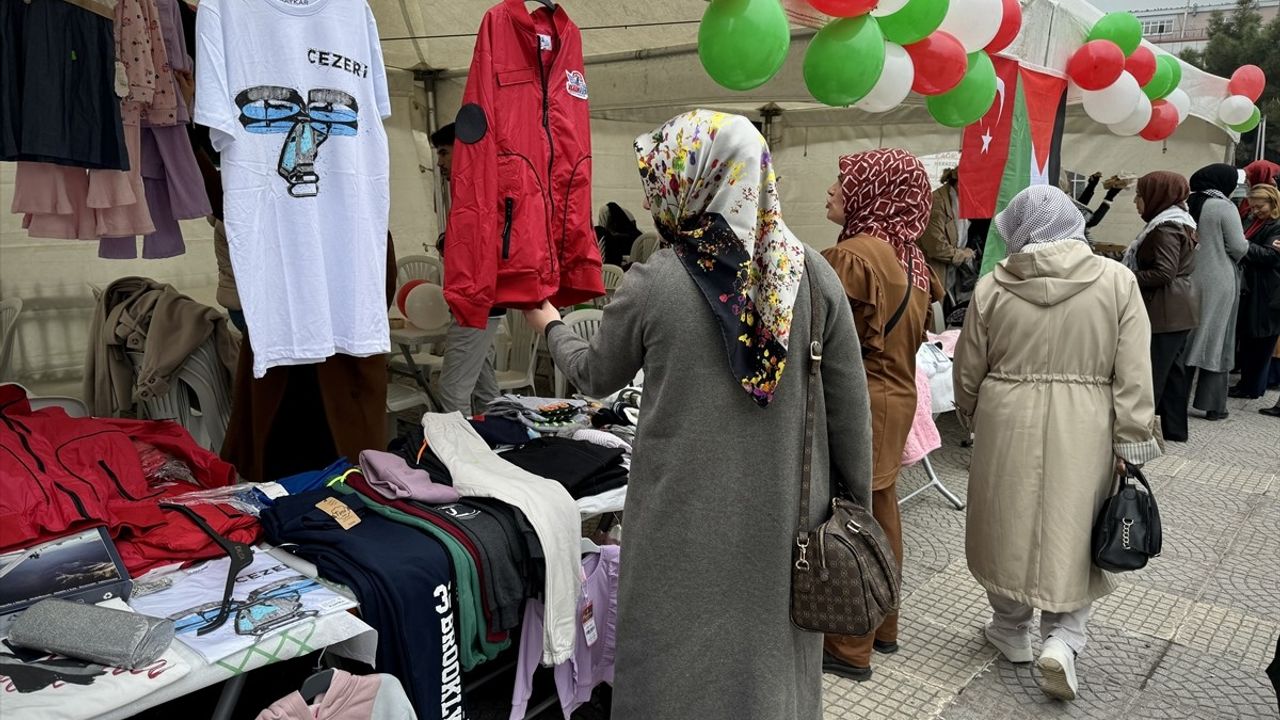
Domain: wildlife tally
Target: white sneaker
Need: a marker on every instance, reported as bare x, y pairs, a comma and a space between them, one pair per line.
1057, 666
1015, 651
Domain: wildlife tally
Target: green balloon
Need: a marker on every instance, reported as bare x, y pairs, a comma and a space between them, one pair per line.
915, 21
743, 43
1161, 83
1249, 124
844, 60
1175, 69
967, 102
1121, 28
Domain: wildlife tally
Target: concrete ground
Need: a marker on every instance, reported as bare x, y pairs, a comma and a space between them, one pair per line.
1187, 638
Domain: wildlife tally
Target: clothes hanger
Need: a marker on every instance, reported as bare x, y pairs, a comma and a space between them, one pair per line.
315, 685
545, 3
589, 546
241, 557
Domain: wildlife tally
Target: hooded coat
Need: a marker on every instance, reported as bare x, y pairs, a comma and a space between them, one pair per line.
1053, 375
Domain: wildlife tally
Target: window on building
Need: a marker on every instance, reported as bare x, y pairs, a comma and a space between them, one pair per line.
1157, 27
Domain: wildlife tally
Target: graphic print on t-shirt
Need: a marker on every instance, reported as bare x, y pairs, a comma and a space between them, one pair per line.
270, 109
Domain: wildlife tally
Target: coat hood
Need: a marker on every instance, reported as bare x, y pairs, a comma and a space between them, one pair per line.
1049, 276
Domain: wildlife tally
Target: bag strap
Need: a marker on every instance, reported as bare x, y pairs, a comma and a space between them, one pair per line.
810, 403
906, 300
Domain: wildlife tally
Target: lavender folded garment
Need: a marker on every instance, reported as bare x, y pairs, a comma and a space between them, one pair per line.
175, 191
392, 477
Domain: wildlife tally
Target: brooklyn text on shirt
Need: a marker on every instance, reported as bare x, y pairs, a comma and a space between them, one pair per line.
450, 673
336, 60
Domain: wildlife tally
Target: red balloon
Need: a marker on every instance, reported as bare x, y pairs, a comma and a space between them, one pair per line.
1096, 65
1249, 81
844, 8
940, 62
1141, 65
1010, 24
1164, 120
403, 293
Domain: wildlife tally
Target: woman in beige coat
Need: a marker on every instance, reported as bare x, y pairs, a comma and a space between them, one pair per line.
1053, 375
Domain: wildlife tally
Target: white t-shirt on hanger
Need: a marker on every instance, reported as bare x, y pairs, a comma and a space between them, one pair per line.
294, 92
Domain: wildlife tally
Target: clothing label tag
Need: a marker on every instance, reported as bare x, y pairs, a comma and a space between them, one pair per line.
273, 490
575, 84
338, 510
589, 624
121, 86
544, 42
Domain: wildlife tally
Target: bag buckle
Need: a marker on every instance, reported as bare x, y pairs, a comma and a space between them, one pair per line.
802, 563
853, 527
815, 351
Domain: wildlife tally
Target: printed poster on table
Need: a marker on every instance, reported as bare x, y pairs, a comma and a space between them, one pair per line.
269, 597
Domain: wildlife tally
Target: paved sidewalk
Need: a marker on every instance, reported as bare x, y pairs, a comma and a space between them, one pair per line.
1186, 638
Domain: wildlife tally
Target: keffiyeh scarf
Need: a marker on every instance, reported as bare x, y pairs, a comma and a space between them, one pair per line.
711, 187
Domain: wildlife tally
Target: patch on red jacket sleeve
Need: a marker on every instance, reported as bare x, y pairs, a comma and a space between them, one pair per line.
471, 123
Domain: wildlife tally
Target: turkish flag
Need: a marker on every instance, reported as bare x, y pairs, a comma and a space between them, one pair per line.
986, 146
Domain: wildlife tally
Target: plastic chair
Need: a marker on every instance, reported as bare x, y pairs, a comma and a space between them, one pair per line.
644, 247
612, 279
199, 397
522, 357
586, 323
74, 407
419, 267
399, 399
10, 308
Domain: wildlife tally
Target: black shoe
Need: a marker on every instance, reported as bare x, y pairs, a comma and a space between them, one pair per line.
1174, 438
1215, 416
885, 648
1272, 411
835, 666
1241, 394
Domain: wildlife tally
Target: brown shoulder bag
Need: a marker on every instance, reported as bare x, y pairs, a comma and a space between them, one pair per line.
843, 576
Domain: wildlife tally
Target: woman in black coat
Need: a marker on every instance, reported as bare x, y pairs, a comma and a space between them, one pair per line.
1258, 327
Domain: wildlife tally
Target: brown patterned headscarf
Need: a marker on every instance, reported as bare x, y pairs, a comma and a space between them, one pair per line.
887, 195
1160, 191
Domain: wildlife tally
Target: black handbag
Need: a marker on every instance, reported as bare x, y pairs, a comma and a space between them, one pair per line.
1127, 532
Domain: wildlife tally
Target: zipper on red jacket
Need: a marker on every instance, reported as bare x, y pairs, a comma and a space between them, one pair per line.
509, 205
14, 426
551, 151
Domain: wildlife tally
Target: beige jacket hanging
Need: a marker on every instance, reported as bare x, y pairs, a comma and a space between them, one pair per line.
1053, 373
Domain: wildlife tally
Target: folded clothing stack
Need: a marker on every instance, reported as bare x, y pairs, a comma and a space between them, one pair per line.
583, 468
546, 415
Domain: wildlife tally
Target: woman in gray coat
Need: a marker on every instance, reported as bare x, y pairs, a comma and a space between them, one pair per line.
719, 320
1211, 349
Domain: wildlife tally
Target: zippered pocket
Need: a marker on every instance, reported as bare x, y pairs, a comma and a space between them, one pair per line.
508, 205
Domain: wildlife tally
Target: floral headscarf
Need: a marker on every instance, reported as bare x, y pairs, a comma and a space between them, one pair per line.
710, 183
887, 195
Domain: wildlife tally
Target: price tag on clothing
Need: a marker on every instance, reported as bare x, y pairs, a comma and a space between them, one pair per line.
544, 42
589, 624
339, 511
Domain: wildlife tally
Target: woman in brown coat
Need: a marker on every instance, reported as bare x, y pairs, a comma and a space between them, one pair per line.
1053, 376
1163, 257
881, 201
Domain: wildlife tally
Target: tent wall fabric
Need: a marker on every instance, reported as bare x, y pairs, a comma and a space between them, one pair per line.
642, 68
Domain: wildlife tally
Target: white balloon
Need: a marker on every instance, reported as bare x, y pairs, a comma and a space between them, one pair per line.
1136, 121
973, 22
425, 307
894, 84
1235, 110
1114, 103
1181, 102
888, 7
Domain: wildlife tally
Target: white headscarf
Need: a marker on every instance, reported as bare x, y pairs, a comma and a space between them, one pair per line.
1039, 214
1176, 214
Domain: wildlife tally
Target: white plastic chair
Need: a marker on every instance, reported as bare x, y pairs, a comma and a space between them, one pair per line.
612, 279
399, 399
522, 356
586, 323
74, 407
419, 267
199, 397
10, 308
644, 247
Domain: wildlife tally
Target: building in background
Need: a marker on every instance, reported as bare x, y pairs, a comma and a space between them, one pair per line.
1178, 28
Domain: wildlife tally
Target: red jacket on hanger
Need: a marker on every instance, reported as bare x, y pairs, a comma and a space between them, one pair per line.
520, 228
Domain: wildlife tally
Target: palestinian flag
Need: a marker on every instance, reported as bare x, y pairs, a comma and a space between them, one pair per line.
1017, 144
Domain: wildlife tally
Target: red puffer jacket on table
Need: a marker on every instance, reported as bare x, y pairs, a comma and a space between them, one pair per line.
60, 475
520, 228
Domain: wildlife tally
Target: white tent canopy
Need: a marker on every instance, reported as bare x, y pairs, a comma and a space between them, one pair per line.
642, 68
